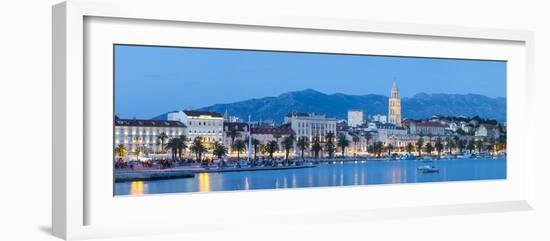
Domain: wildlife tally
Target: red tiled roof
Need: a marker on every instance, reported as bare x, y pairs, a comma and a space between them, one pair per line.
239, 126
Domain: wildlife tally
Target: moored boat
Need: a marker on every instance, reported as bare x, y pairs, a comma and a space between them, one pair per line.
427, 169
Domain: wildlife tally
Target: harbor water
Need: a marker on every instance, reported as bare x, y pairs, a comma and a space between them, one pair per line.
325, 175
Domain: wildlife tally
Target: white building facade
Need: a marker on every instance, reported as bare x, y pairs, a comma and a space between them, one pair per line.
380, 118
311, 125
208, 125
356, 118
144, 134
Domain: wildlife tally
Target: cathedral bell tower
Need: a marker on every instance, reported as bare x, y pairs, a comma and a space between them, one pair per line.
394, 109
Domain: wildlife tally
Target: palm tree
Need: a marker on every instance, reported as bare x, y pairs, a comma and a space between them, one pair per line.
198, 148
389, 148
429, 148
470, 146
377, 148
219, 150
162, 138
409, 147
138, 152
256, 145
449, 142
316, 147
303, 144
329, 136
439, 146
263, 149
501, 142
181, 145
272, 147
238, 146
330, 148
461, 145
233, 133
479, 145
173, 146
368, 137
288, 144
342, 143
456, 140
277, 136
419, 145
355, 139
121, 150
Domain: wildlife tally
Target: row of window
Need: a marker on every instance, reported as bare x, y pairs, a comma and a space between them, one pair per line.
169, 134
316, 125
202, 132
206, 123
147, 130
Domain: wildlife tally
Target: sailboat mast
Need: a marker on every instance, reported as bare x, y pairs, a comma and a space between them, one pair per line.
249, 140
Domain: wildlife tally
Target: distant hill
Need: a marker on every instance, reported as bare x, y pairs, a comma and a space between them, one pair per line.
336, 105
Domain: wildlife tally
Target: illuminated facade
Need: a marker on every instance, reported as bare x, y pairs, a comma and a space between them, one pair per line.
144, 134
311, 125
208, 125
394, 110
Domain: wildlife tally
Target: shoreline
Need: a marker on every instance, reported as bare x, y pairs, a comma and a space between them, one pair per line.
159, 174
173, 173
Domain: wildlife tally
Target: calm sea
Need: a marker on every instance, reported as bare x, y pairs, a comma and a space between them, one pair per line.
359, 173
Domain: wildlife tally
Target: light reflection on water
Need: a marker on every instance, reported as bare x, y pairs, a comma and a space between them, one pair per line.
360, 173
136, 188
204, 182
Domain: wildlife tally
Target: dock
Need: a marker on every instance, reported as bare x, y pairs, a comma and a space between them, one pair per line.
146, 175
245, 169
158, 174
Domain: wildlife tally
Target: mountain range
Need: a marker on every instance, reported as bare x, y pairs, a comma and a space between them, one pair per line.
419, 106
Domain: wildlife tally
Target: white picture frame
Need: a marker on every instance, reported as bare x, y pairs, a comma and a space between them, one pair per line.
76, 198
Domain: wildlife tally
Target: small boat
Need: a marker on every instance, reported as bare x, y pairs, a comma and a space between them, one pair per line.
427, 169
464, 156
408, 157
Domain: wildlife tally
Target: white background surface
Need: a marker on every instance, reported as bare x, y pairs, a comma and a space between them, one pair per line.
296, 204
25, 98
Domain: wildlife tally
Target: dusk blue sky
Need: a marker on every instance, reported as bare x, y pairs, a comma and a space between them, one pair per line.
150, 81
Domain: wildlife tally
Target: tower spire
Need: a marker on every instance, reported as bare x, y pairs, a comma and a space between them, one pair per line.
394, 110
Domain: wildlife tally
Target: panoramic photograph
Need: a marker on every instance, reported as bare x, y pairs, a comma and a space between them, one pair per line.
190, 120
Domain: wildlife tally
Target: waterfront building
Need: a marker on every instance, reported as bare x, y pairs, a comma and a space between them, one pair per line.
311, 125
388, 133
488, 131
266, 134
380, 118
453, 126
426, 128
208, 125
394, 110
144, 134
355, 118
241, 131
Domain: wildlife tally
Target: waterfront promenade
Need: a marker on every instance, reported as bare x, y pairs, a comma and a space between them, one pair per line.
189, 172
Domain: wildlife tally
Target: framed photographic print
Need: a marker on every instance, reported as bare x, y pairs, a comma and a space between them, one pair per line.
172, 117
256, 119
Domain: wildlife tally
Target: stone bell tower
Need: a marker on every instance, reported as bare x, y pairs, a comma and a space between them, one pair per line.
394, 109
